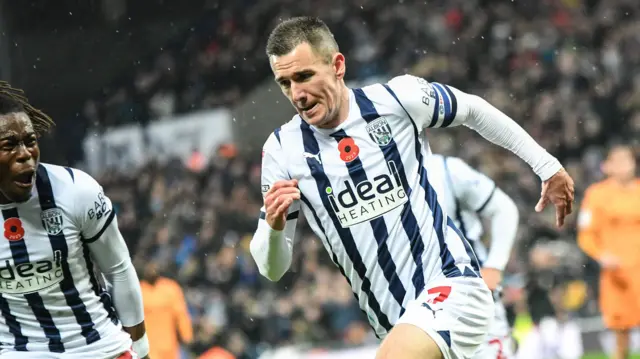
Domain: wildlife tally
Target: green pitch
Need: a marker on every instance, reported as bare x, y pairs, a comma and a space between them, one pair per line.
602, 356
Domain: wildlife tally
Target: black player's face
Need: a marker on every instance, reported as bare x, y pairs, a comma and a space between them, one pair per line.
19, 157
311, 83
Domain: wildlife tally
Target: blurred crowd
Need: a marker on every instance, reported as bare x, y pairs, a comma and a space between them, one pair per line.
564, 69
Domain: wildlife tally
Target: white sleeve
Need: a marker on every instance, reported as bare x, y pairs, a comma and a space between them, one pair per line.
271, 249
110, 253
94, 209
477, 192
504, 216
99, 227
437, 105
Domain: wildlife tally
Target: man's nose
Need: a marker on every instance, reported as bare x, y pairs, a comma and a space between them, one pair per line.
24, 154
298, 93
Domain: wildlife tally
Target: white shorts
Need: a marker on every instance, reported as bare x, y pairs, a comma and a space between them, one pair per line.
116, 345
498, 344
129, 354
455, 312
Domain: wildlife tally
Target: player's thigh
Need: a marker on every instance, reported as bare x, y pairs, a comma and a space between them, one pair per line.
454, 314
618, 300
409, 342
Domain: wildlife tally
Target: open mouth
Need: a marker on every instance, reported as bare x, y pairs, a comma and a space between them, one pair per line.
25, 179
309, 108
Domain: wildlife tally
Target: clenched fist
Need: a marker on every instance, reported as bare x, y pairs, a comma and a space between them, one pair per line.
277, 201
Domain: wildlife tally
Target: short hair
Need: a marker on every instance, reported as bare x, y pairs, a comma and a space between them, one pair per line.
13, 100
298, 30
619, 144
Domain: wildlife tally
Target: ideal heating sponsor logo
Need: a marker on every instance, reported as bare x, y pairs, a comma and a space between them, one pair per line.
31, 277
368, 199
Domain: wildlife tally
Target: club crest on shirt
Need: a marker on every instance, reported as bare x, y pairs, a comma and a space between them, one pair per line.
52, 221
380, 131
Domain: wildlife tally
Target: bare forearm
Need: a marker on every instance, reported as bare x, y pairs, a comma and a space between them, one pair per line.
136, 332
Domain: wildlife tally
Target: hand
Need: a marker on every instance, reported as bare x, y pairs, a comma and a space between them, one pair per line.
277, 201
492, 277
608, 261
559, 191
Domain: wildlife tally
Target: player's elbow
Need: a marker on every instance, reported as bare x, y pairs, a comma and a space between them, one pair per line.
511, 208
503, 207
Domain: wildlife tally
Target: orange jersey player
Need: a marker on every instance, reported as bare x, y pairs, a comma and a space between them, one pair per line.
609, 232
164, 302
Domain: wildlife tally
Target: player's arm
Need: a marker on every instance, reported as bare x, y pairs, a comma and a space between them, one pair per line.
185, 328
479, 193
99, 227
589, 236
436, 105
272, 243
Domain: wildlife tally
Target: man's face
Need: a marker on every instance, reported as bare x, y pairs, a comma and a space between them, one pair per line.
311, 83
19, 157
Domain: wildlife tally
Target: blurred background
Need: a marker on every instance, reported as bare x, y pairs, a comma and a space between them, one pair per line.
168, 102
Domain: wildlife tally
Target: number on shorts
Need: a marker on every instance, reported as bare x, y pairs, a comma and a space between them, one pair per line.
442, 291
497, 342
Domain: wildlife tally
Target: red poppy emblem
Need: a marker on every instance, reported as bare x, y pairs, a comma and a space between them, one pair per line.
13, 230
348, 149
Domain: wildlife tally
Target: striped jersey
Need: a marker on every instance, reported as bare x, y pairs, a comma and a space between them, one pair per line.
367, 193
50, 297
466, 193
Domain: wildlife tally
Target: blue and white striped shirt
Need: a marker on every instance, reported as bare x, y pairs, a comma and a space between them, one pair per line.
368, 194
50, 297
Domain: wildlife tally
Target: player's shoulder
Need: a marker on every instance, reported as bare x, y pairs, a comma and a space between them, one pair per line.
169, 284
62, 176
439, 161
407, 80
275, 139
68, 175
437, 157
413, 92
455, 164
69, 182
418, 87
